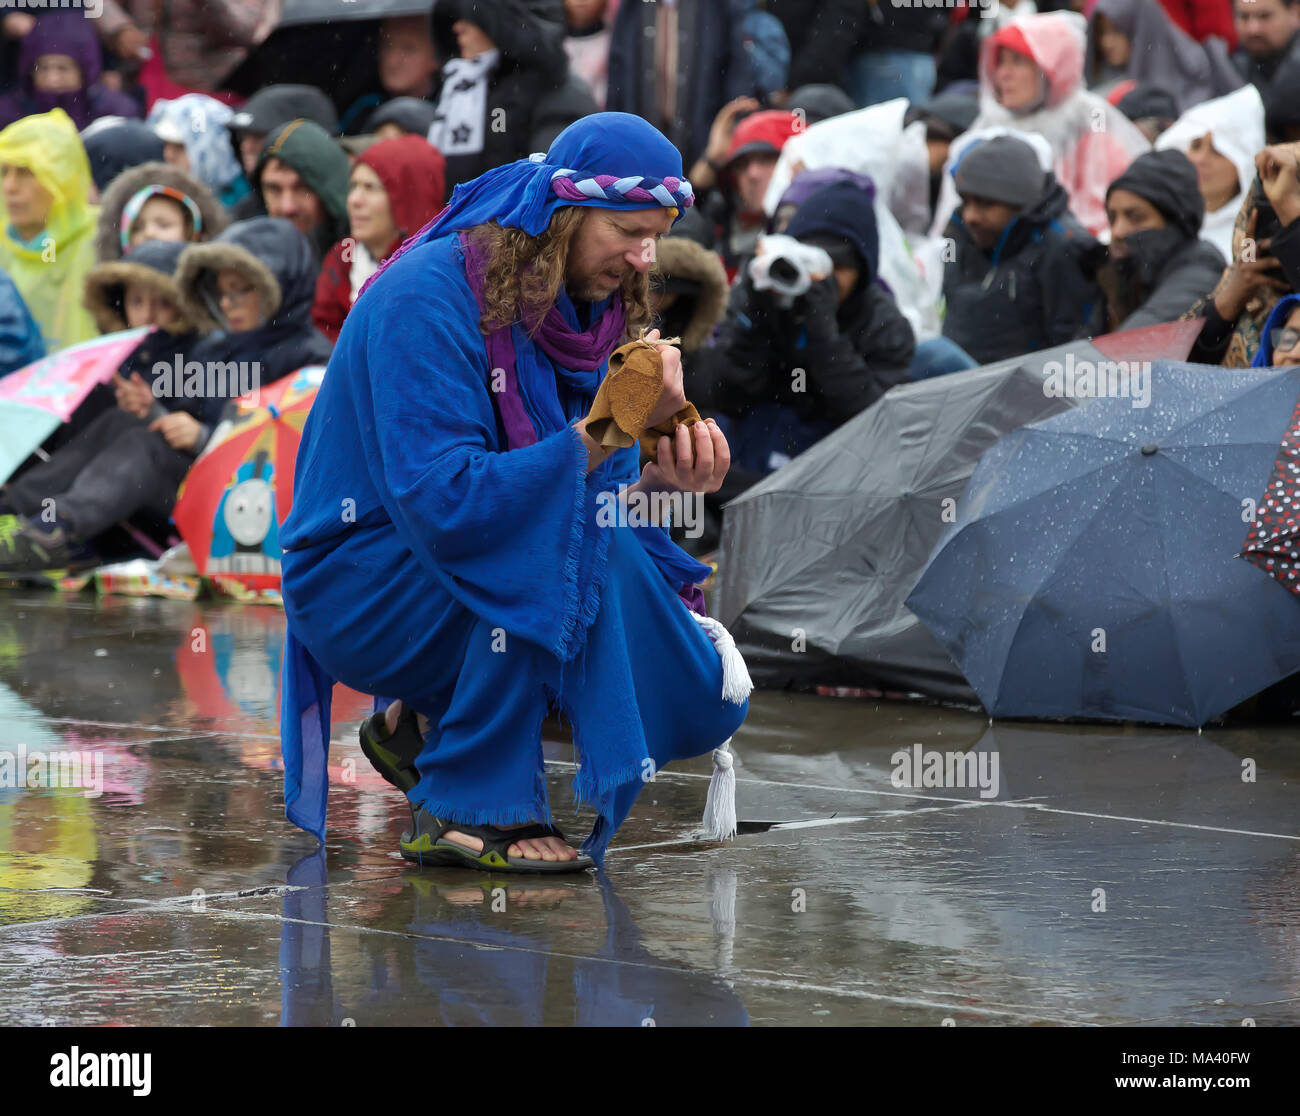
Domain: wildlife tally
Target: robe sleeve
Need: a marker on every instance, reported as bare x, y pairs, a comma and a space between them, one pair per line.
510, 534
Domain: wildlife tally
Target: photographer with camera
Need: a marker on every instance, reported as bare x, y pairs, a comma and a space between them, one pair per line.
810, 338
1265, 264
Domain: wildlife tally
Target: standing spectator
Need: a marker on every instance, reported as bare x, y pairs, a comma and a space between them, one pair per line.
506, 90
822, 36
59, 67
1136, 39
1266, 37
396, 188
1158, 266
1031, 80
1015, 282
202, 41
47, 223
896, 56
588, 26
196, 130
1221, 138
302, 176
676, 65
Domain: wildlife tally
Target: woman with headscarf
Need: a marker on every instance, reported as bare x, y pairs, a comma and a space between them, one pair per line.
395, 189
1136, 39
47, 223
1220, 137
59, 67
1031, 80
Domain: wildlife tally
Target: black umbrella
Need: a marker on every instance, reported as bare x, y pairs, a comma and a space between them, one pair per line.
818, 557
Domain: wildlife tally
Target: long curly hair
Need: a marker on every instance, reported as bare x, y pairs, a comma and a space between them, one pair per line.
525, 273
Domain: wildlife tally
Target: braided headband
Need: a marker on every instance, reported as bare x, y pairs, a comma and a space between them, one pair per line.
131, 210
572, 185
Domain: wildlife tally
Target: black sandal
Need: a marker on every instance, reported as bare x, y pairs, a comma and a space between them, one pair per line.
394, 754
426, 845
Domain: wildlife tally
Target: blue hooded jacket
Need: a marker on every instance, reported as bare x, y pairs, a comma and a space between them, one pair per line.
20, 336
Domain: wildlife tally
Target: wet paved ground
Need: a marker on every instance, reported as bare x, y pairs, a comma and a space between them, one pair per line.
181, 896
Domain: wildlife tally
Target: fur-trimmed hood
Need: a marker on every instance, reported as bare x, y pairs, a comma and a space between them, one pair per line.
108, 235
679, 257
151, 264
196, 276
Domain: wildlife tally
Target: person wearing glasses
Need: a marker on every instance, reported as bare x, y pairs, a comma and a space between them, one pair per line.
252, 287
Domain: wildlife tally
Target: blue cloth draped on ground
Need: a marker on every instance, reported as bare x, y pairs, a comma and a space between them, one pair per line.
423, 562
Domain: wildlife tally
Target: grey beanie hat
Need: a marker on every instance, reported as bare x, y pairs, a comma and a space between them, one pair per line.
1002, 169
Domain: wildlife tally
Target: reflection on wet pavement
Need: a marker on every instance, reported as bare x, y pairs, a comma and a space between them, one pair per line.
1106, 876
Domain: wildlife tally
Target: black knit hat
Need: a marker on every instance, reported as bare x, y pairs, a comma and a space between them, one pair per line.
1168, 181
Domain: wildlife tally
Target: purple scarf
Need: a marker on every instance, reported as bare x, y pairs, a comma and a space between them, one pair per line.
574, 352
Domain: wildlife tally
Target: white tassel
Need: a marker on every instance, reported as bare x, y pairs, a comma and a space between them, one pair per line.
736, 683
720, 805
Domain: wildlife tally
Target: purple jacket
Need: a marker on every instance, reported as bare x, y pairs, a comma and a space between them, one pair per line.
64, 32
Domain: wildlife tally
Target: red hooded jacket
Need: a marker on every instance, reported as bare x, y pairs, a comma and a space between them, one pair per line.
413, 173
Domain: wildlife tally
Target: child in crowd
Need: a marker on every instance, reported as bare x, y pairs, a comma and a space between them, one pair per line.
155, 202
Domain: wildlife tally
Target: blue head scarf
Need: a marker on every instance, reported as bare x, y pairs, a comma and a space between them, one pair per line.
1276, 320
608, 160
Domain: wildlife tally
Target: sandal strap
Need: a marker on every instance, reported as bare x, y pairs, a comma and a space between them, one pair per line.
494, 838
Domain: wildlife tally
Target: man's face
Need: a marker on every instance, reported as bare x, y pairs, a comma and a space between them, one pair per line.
286, 195
1128, 213
609, 245
985, 219
751, 174
1265, 26
407, 61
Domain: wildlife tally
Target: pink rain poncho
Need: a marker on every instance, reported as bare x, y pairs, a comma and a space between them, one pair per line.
1092, 141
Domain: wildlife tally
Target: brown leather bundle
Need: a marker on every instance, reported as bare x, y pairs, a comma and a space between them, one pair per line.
628, 395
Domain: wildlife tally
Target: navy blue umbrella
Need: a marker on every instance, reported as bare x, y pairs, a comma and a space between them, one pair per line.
1091, 569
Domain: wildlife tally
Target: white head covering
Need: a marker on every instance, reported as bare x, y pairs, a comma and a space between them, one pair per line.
1235, 125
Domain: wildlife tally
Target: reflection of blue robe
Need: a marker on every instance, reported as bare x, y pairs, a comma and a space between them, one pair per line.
424, 563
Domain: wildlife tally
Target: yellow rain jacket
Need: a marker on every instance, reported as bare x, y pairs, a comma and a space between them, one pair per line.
51, 273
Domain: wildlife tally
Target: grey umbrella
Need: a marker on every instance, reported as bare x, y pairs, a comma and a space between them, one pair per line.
817, 558
295, 12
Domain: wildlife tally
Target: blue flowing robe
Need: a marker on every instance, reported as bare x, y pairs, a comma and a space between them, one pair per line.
425, 562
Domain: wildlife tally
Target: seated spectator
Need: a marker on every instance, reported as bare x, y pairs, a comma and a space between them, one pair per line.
1150, 108
1031, 80
195, 130
47, 224
1136, 39
817, 102
588, 30
946, 116
114, 145
734, 182
1157, 265
254, 283
59, 67
302, 176
20, 336
506, 90
1015, 281
780, 378
1265, 265
396, 188
155, 202
1280, 337
402, 116
688, 287
807, 183
1221, 137
268, 109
